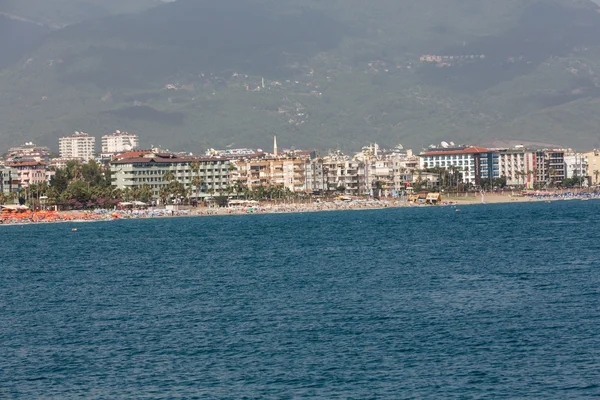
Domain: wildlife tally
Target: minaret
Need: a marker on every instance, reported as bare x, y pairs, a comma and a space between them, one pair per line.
275, 146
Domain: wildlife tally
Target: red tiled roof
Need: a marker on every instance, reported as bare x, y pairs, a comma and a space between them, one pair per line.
469, 150
26, 164
131, 154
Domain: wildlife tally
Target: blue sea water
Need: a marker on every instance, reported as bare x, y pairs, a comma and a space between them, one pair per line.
494, 301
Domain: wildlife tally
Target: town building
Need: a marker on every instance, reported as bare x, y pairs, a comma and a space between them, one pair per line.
463, 160
138, 168
576, 166
342, 173
119, 142
9, 180
60, 163
550, 166
297, 171
32, 173
79, 146
28, 152
517, 165
593, 166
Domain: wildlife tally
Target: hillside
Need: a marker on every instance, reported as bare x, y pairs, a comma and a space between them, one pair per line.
17, 38
59, 13
197, 73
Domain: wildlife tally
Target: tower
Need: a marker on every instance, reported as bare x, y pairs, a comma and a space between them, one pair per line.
275, 146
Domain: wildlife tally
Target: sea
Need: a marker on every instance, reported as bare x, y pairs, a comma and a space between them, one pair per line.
475, 302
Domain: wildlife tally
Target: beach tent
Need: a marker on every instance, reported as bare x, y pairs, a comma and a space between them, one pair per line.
138, 203
433, 198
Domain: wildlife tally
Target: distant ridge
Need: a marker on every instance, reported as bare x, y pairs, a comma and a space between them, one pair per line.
199, 73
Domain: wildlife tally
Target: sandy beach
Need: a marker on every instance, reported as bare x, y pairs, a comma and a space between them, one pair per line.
30, 217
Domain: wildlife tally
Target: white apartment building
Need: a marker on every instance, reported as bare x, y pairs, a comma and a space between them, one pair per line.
519, 167
593, 164
464, 160
79, 146
297, 172
576, 165
119, 142
340, 171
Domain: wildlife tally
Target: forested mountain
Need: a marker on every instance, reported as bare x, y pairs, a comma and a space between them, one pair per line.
338, 73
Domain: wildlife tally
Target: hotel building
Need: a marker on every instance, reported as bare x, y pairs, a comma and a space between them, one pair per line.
467, 160
135, 169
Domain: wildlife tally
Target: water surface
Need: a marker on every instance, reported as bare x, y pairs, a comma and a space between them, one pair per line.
494, 301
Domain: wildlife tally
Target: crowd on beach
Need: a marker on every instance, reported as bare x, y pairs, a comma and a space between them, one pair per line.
26, 216
562, 196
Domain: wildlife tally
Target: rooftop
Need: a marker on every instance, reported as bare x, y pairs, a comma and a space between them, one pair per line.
444, 152
149, 157
119, 133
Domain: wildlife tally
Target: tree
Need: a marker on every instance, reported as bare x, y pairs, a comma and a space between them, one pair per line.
197, 183
169, 176
164, 194
552, 174
145, 193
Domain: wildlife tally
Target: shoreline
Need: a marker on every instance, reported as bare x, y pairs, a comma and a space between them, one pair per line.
112, 215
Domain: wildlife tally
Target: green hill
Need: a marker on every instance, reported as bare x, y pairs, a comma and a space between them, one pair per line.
193, 74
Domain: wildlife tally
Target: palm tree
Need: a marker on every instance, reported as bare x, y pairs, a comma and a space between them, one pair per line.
169, 176
552, 174
197, 183
596, 175
164, 194
519, 175
145, 193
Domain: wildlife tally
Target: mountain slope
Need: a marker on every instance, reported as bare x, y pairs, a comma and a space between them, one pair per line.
17, 38
198, 73
58, 13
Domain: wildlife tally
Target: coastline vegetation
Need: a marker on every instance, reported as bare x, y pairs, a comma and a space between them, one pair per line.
88, 186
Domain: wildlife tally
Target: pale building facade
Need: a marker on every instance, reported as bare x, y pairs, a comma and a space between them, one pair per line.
593, 166
28, 152
467, 161
32, 173
134, 171
296, 173
340, 171
79, 146
518, 167
576, 166
119, 142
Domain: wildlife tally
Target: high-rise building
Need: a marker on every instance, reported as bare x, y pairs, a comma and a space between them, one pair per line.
79, 146
119, 142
